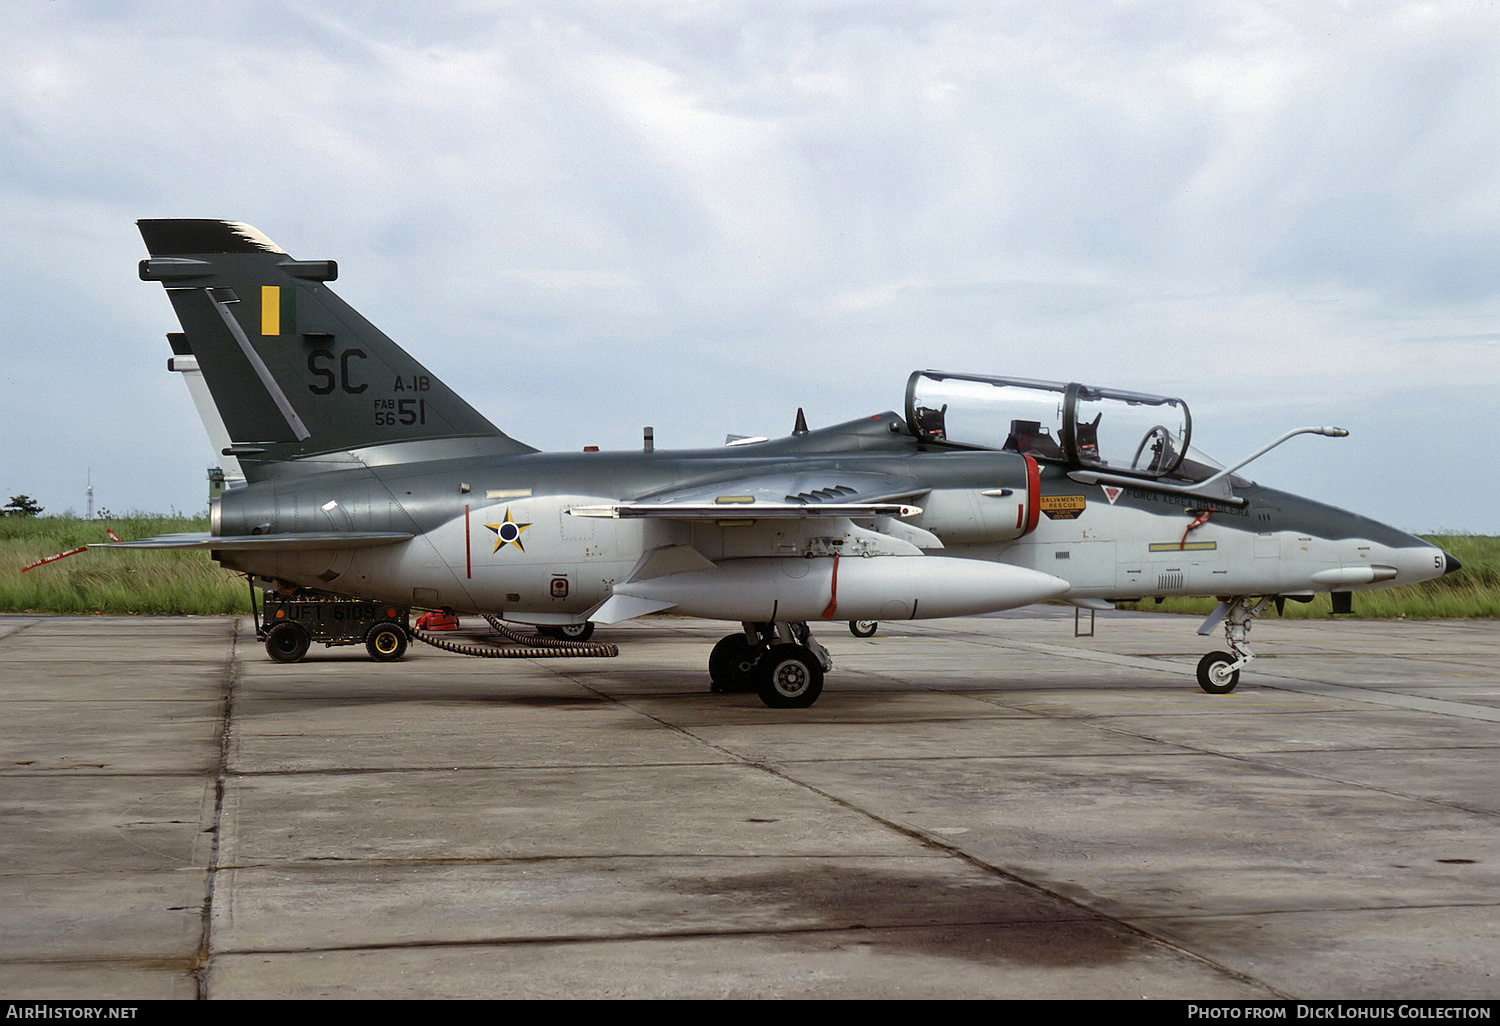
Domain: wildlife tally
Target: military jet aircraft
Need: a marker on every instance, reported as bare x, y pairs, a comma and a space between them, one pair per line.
365, 475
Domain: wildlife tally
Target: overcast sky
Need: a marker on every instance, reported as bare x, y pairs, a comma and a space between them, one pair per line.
592, 216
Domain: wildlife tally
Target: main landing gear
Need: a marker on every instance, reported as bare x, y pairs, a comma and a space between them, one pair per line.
569, 631
1219, 672
780, 662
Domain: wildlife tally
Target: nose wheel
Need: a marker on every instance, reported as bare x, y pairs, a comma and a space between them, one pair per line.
1216, 674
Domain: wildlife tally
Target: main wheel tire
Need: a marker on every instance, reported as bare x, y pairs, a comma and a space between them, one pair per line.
863, 628
731, 664
790, 677
568, 631
1212, 676
386, 642
288, 642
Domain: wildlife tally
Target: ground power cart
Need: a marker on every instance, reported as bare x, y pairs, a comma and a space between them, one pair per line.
290, 624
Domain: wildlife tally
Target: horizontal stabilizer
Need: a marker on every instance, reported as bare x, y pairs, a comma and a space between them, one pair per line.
744, 510
300, 540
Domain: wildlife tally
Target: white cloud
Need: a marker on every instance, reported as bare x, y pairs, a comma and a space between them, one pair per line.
699, 215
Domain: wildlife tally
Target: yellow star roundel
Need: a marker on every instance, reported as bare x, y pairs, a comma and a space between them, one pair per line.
508, 532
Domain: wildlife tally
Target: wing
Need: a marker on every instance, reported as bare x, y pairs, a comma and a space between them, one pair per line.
735, 510
800, 495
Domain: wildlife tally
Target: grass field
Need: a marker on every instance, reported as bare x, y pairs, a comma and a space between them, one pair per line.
112, 580
165, 582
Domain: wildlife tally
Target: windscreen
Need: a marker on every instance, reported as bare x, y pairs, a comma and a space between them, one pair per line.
1129, 432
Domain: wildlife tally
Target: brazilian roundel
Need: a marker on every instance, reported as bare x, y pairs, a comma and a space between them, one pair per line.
508, 532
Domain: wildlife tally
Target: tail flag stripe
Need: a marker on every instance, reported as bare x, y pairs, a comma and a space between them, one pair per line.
270, 309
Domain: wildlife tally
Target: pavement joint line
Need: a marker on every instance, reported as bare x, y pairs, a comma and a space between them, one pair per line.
112, 701
1086, 915
1319, 910
1102, 721
318, 861
635, 938
1437, 706
204, 953
733, 756
1350, 692
1008, 757
1331, 749
123, 775
929, 840
1241, 708
359, 771
1257, 760
135, 962
850, 721
1426, 799
18, 625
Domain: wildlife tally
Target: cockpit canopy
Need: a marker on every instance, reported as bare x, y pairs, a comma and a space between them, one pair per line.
1098, 428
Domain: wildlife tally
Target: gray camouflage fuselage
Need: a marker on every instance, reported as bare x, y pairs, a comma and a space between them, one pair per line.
1273, 545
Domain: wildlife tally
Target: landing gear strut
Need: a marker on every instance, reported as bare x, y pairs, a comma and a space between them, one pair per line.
1219, 672
781, 662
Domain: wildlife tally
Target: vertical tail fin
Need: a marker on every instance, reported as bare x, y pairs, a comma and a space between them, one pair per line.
294, 370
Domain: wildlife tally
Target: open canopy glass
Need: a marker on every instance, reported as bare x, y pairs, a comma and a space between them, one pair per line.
1099, 428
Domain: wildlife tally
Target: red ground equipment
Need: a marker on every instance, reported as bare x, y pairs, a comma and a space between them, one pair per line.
437, 620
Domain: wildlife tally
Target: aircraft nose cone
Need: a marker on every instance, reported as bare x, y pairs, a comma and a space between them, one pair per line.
1450, 564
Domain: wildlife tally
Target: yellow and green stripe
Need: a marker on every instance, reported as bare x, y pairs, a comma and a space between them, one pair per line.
278, 310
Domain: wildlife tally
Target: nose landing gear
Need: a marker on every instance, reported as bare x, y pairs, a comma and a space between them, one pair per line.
1219, 672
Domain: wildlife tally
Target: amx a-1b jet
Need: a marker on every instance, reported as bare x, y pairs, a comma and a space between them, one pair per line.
365, 475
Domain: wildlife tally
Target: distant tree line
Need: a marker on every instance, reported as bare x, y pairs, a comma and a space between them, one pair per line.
20, 506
